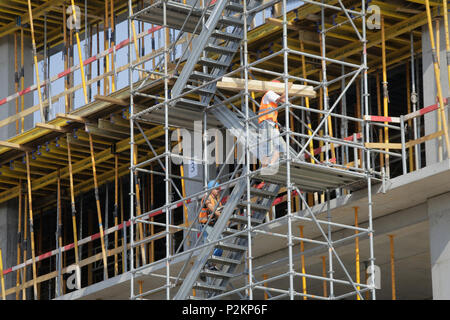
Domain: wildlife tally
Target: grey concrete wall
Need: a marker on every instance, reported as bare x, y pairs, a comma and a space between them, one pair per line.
439, 221
430, 91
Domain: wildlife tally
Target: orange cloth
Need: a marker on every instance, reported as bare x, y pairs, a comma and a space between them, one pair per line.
203, 218
264, 107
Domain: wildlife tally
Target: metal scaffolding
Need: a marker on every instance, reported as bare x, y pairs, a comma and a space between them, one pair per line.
299, 172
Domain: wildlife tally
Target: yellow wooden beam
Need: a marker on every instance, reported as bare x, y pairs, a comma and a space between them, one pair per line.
15, 146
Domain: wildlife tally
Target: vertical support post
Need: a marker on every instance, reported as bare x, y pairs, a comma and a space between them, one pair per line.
308, 114
99, 210
98, 60
138, 206
302, 249
116, 209
36, 67
447, 40
248, 156
358, 279
124, 228
106, 46
385, 95
19, 239
324, 274
380, 130
113, 39
66, 61
59, 260
358, 115
402, 137
366, 137
408, 110
80, 56
437, 75
25, 245
414, 103
31, 224
132, 215
289, 186
136, 49
328, 124
2, 278
166, 148
16, 79
266, 296
391, 241
22, 78
330, 251
72, 201
152, 219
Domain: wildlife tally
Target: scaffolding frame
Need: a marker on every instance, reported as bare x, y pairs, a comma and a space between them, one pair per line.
365, 172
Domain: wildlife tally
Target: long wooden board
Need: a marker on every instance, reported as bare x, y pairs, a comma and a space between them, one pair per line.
296, 90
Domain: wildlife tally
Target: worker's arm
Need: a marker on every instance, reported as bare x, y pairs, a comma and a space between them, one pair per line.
274, 97
211, 208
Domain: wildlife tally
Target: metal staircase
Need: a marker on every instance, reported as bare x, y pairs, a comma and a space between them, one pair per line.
233, 220
212, 52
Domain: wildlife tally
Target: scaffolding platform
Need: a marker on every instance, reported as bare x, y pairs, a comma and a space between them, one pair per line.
315, 177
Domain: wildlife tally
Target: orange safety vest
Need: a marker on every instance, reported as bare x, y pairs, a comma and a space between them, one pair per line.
264, 107
205, 212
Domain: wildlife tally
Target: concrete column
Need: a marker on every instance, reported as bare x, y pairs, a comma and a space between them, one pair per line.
8, 211
430, 91
439, 219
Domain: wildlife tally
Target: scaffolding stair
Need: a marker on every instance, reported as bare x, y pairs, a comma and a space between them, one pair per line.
212, 51
233, 221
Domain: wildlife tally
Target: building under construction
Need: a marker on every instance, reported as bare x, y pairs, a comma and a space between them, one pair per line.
119, 119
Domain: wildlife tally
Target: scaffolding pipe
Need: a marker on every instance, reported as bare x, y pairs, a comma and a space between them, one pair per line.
72, 201
358, 279
19, 238
2, 278
302, 249
385, 95
414, 98
99, 210
36, 67
30, 208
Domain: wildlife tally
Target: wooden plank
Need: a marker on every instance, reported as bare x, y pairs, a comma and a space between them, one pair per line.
19, 115
105, 133
279, 23
52, 127
15, 146
424, 138
112, 100
108, 125
263, 86
377, 145
71, 117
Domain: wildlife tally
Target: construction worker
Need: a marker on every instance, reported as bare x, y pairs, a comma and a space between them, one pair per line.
211, 209
268, 127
